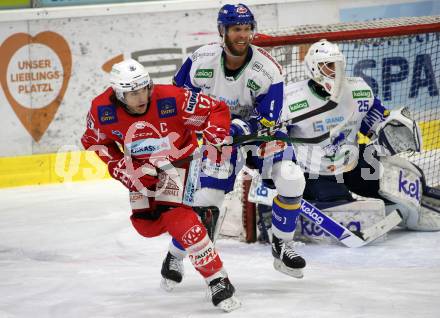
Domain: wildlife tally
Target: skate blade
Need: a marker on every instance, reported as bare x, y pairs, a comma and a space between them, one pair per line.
293, 272
229, 304
168, 285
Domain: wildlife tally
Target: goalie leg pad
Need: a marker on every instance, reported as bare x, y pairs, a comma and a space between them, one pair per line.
429, 220
404, 184
430, 210
431, 199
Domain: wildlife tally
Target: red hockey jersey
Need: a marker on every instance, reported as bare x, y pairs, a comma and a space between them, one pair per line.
166, 130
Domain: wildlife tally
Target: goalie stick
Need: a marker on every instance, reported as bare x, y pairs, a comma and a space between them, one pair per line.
266, 133
352, 239
344, 235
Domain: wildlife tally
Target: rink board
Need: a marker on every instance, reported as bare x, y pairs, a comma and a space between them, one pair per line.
51, 168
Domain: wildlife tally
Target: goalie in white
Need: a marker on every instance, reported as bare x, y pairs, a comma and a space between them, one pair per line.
333, 162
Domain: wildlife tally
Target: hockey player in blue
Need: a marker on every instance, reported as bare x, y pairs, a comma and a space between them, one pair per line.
250, 81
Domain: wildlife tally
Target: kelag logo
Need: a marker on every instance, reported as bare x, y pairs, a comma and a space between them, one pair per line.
298, 106
309, 228
411, 189
362, 94
311, 212
34, 84
204, 73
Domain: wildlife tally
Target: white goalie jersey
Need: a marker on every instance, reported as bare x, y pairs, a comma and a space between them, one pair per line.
357, 110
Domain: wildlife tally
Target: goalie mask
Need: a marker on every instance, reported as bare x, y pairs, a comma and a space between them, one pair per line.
127, 76
325, 64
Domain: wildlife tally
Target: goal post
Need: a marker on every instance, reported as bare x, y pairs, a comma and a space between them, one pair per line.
399, 58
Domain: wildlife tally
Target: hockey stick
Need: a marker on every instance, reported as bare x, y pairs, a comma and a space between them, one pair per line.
330, 105
263, 133
334, 228
344, 235
266, 134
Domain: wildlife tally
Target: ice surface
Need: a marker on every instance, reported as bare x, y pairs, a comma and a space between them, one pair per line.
70, 251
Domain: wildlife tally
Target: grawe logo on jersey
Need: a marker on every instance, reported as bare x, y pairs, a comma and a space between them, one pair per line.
34, 84
204, 73
298, 106
365, 93
252, 85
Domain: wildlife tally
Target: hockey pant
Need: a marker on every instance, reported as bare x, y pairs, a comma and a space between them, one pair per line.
183, 224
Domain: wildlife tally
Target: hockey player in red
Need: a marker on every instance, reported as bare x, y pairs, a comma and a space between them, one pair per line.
138, 129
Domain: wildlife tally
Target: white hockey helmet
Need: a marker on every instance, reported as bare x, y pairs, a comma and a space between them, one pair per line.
127, 76
319, 55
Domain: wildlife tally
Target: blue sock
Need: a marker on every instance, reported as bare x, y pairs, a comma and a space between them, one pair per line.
285, 212
177, 244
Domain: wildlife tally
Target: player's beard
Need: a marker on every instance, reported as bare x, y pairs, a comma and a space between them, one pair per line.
240, 51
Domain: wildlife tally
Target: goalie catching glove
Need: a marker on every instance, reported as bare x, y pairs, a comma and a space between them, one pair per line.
132, 174
398, 133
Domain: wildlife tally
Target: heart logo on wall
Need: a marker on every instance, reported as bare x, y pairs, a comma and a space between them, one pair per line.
36, 121
107, 66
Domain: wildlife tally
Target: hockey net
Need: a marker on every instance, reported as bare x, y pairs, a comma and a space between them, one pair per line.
399, 59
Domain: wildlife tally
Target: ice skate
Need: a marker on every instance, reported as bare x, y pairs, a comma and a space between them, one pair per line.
286, 260
222, 294
172, 272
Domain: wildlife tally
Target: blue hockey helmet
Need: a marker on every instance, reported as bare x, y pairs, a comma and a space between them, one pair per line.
235, 14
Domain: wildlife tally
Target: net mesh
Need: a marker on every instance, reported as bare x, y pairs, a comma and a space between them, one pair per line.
311, 29
402, 70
